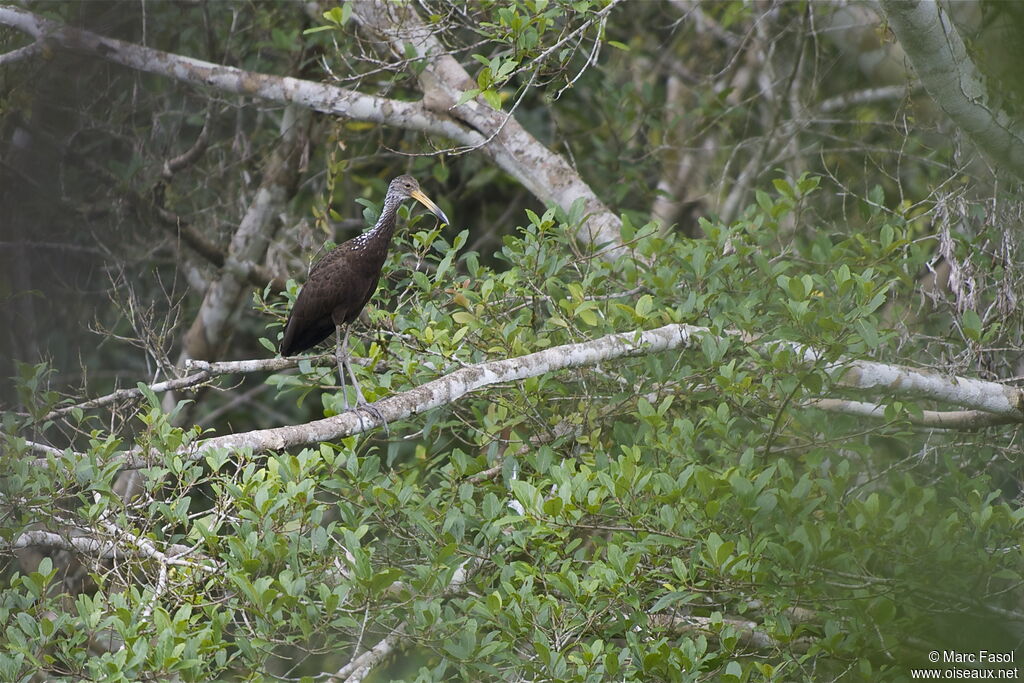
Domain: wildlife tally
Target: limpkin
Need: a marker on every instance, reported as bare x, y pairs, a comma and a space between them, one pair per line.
342, 282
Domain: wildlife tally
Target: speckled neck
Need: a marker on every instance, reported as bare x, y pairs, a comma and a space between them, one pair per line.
385, 226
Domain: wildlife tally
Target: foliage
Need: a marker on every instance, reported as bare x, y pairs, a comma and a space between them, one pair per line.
632, 501
682, 515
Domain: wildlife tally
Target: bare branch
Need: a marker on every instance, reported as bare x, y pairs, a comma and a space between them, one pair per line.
974, 394
443, 80
1004, 402
44, 448
546, 174
21, 53
86, 545
953, 419
212, 325
192, 154
94, 545
864, 96
357, 669
206, 372
125, 394
454, 386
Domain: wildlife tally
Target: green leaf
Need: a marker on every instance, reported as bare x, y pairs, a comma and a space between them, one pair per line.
876, 196
971, 324
797, 289
467, 95
644, 305
868, 333
784, 188
733, 671
493, 98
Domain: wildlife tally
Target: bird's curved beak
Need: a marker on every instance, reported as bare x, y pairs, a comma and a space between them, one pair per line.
434, 208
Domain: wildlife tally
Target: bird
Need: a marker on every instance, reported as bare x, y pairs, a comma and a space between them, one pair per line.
342, 281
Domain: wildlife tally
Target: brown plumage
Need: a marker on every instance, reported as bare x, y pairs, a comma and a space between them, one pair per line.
342, 282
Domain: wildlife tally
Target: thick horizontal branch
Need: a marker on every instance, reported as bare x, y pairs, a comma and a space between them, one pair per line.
105, 548
474, 125
86, 545
21, 53
973, 394
1004, 402
450, 388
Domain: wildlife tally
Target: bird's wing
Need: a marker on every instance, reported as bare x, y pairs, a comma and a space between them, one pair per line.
324, 259
312, 318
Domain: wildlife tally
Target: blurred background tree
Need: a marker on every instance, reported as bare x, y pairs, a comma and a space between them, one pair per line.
728, 509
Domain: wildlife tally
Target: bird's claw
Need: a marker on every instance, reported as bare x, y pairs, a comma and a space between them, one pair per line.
373, 411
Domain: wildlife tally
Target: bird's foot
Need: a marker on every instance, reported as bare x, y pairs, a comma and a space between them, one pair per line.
362, 405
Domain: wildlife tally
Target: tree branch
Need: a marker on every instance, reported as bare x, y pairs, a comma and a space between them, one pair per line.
986, 402
952, 419
864, 96
941, 60
205, 372
443, 80
21, 53
974, 394
359, 667
748, 632
317, 96
320, 97
86, 545
105, 548
547, 175
211, 328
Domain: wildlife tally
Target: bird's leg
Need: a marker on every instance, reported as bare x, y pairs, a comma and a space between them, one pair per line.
360, 399
341, 356
361, 402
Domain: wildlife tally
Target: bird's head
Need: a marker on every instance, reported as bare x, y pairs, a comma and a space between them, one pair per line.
405, 186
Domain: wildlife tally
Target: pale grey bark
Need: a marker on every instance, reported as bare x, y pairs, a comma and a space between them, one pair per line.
940, 58
107, 546
361, 666
221, 304
980, 402
321, 97
474, 125
443, 80
86, 545
932, 419
201, 372
1006, 402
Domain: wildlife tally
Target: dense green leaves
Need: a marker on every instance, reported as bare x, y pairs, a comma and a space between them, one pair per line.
641, 524
684, 515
